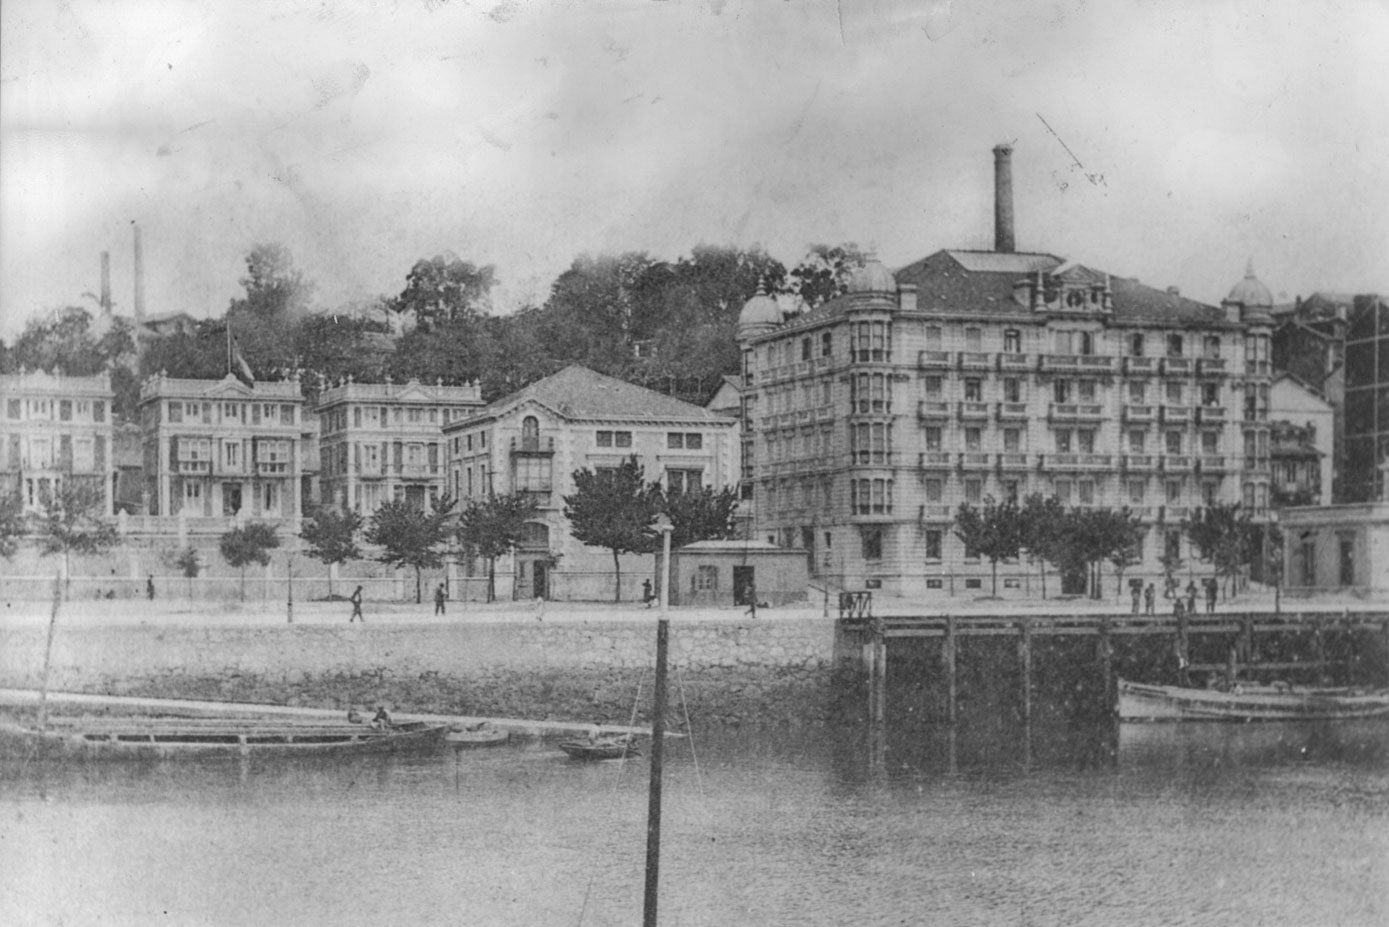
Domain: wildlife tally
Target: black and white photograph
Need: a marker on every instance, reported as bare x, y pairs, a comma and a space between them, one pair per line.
694, 462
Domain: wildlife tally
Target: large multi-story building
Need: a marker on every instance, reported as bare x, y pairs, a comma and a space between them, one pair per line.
221, 448
533, 440
976, 374
55, 428
384, 441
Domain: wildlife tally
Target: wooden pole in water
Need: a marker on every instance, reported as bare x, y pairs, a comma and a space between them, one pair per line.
949, 654
1025, 657
48, 652
658, 735
1106, 662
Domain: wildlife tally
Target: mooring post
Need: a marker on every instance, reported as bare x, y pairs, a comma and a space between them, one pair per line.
948, 654
1025, 657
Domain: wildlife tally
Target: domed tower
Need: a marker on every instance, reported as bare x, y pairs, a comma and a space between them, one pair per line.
1254, 303
872, 279
760, 314
1252, 298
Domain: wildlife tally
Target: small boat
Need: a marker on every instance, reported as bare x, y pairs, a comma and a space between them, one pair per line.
478, 735
1249, 702
184, 738
606, 748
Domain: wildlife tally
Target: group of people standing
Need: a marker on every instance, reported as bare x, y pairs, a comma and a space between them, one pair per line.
1182, 604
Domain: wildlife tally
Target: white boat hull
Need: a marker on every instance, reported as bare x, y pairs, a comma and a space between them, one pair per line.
1141, 702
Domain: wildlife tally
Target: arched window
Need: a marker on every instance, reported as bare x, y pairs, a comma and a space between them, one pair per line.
530, 433
535, 536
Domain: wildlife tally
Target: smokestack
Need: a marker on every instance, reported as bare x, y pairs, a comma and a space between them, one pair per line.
1003, 199
139, 278
106, 283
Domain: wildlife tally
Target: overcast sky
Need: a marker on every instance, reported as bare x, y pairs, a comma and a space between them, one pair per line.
1185, 138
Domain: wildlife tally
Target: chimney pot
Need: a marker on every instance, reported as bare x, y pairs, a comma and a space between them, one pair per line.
1003, 199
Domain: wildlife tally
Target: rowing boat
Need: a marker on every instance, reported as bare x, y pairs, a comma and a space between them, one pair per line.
1142, 702
187, 738
605, 749
483, 735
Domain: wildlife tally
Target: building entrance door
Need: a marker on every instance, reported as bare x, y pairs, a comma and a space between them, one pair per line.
231, 498
540, 579
744, 586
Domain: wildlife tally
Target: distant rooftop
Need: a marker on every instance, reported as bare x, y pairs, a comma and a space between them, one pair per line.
580, 394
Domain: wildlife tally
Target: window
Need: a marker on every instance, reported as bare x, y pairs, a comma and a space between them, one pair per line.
1136, 344
973, 438
533, 474
974, 389
934, 335
675, 440
872, 543
357, 416
1012, 440
1172, 544
1085, 390
1210, 394
805, 349
1063, 491
175, 413
933, 387
974, 491
1174, 392
1138, 392
870, 393
1012, 341
414, 415
1208, 492
287, 414
1085, 492
229, 411
933, 434
871, 497
934, 489
974, 338
1063, 440
1174, 345
620, 439
826, 345
684, 480
1210, 442
231, 454
1086, 343
1010, 490
1210, 346
1061, 391
1137, 437
1085, 441
1012, 390
1174, 492
12, 409
933, 544
1137, 489
1174, 442
871, 443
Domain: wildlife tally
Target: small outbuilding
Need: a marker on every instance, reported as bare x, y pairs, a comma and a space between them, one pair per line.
737, 572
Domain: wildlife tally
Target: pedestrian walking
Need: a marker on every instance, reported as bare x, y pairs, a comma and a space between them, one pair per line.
440, 597
1191, 597
149, 587
1136, 590
1212, 591
1179, 608
647, 595
1149, 595
356, 600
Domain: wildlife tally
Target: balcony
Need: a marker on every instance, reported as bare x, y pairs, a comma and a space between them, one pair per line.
1176, 415
1212, 415
1012, 461
541, 497
975, 460
1211, 367
933, 360
1174, 513
930, 411
416, 471
935, 460
1075, 412
1141, 366
1140, 414
1073, 462
272, 468
1144, 512
1096, 364
532, 446
1012, 412
1014, 363
1140, 463
1177, 366
1176, 463
1211, 463
974, 360
193, 466
936, 512
974, 411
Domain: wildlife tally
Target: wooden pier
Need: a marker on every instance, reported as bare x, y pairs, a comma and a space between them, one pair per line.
1303, 642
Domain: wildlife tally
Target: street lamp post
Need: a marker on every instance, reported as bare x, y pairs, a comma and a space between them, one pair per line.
662, 524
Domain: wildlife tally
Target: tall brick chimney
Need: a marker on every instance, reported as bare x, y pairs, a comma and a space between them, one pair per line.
139, 278
106, 283
1003, 199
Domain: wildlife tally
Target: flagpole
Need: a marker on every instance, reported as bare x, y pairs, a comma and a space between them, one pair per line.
229, 353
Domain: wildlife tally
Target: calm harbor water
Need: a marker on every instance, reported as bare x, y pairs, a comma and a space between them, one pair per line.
1160, 825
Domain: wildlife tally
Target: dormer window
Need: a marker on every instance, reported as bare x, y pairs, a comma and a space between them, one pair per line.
1075, 299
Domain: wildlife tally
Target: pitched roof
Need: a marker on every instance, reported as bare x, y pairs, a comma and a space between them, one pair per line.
579, 393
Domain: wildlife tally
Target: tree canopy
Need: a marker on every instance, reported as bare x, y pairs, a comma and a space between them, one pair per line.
11, 524
331, 536
993, 530
613, 508
703, 514
445, 288
410, 537
71, 520
248, 544
495, 526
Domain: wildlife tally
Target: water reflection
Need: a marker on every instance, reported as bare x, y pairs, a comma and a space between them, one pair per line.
1060, 823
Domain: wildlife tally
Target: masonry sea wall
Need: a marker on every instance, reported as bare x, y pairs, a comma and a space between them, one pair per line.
724, 672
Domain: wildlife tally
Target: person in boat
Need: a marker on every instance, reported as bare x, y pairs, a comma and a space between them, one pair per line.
382, 719
354, 716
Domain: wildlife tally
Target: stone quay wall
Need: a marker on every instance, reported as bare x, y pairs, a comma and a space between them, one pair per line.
723, 672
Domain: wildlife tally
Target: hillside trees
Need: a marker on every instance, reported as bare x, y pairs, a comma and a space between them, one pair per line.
445, 288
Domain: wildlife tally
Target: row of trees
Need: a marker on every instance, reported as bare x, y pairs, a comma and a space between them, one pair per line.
1078, 541
671, 325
